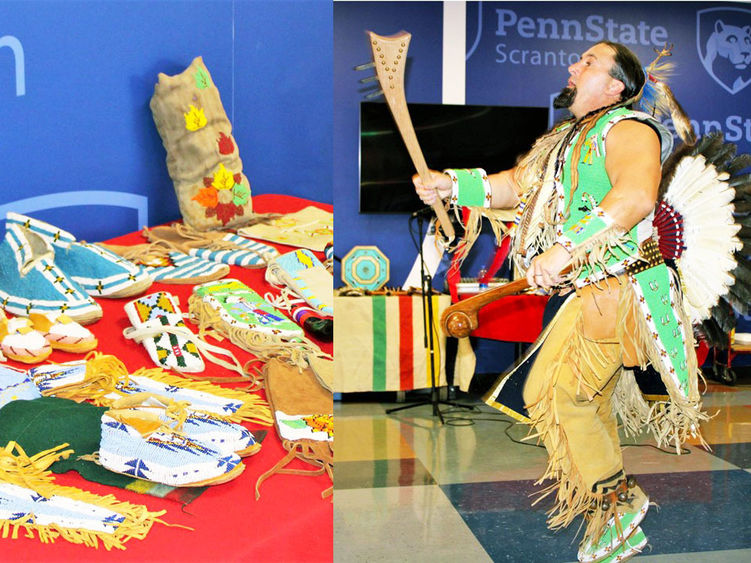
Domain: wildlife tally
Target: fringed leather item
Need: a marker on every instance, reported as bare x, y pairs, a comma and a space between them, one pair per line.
304, 420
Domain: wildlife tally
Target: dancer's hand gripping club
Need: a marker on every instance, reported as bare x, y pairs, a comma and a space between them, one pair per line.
460, 319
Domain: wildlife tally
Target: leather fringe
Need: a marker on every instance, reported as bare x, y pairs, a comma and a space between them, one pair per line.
317, 453
671, 422
263, 346
30, 473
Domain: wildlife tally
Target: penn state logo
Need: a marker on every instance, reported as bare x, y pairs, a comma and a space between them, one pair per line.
723, 38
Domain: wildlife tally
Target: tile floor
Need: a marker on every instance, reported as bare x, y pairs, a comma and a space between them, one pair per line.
408, 488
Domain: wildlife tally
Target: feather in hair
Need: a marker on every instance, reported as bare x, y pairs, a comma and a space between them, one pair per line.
658, 99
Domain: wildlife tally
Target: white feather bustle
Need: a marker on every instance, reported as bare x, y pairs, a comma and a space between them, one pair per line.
704, 199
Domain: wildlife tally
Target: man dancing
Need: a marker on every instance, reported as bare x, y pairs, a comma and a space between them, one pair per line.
586, 194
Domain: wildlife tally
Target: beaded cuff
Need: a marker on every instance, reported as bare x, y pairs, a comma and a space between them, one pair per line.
592, 224
469, 187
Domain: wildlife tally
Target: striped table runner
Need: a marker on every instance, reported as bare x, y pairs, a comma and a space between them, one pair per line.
379, 343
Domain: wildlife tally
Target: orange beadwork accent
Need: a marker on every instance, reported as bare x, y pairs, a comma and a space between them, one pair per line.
321, 423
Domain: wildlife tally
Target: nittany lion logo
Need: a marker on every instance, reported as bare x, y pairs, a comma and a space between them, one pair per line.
723, 38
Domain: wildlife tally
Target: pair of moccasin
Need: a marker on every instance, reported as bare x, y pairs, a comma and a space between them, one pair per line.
143, 435
31, 339
152, 438
44, 269
179, 254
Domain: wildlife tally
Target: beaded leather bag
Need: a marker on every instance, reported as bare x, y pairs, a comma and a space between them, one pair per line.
202, 156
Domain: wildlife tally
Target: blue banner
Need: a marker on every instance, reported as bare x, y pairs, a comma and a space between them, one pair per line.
518, 53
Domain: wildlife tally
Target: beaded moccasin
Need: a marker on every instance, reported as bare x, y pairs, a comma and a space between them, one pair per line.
100, 272
32, 282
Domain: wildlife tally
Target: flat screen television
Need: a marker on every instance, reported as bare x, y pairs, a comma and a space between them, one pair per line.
451, 136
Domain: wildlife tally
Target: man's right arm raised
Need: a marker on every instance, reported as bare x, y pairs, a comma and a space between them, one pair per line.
504, 189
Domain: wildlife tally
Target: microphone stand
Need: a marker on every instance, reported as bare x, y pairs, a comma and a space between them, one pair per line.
426, 292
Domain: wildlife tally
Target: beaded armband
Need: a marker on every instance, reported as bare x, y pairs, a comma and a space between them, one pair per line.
469, 187
589, 226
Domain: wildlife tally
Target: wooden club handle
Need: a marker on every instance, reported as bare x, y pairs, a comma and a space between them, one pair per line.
390, 58
460, 319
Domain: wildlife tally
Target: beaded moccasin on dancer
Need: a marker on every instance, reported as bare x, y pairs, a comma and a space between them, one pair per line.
616, 512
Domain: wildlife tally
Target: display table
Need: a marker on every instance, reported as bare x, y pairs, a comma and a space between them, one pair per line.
290, 522
380, 343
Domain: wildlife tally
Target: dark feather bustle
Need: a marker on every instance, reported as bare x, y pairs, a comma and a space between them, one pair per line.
723, 154
742, 207
742, 181
723, 316
738, 163
714, 334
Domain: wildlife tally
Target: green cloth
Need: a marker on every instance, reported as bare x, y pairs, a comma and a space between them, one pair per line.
42, 424
47, 422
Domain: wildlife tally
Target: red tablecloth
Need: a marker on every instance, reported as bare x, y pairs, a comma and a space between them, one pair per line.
516, 318
290, 522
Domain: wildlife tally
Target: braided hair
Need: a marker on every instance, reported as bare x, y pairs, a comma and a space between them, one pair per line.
628, 70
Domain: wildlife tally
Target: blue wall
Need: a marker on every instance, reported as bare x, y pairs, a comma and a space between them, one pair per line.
79, 119
423, 83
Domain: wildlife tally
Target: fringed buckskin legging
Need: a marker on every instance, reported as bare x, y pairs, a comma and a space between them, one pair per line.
568, 395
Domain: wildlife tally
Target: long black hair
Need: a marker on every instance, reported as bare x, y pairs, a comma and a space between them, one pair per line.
627, 68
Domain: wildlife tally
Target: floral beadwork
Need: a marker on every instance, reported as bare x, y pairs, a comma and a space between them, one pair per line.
223, 195
195, 118
321, 423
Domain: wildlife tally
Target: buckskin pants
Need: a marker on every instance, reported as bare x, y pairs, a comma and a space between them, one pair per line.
569, 398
